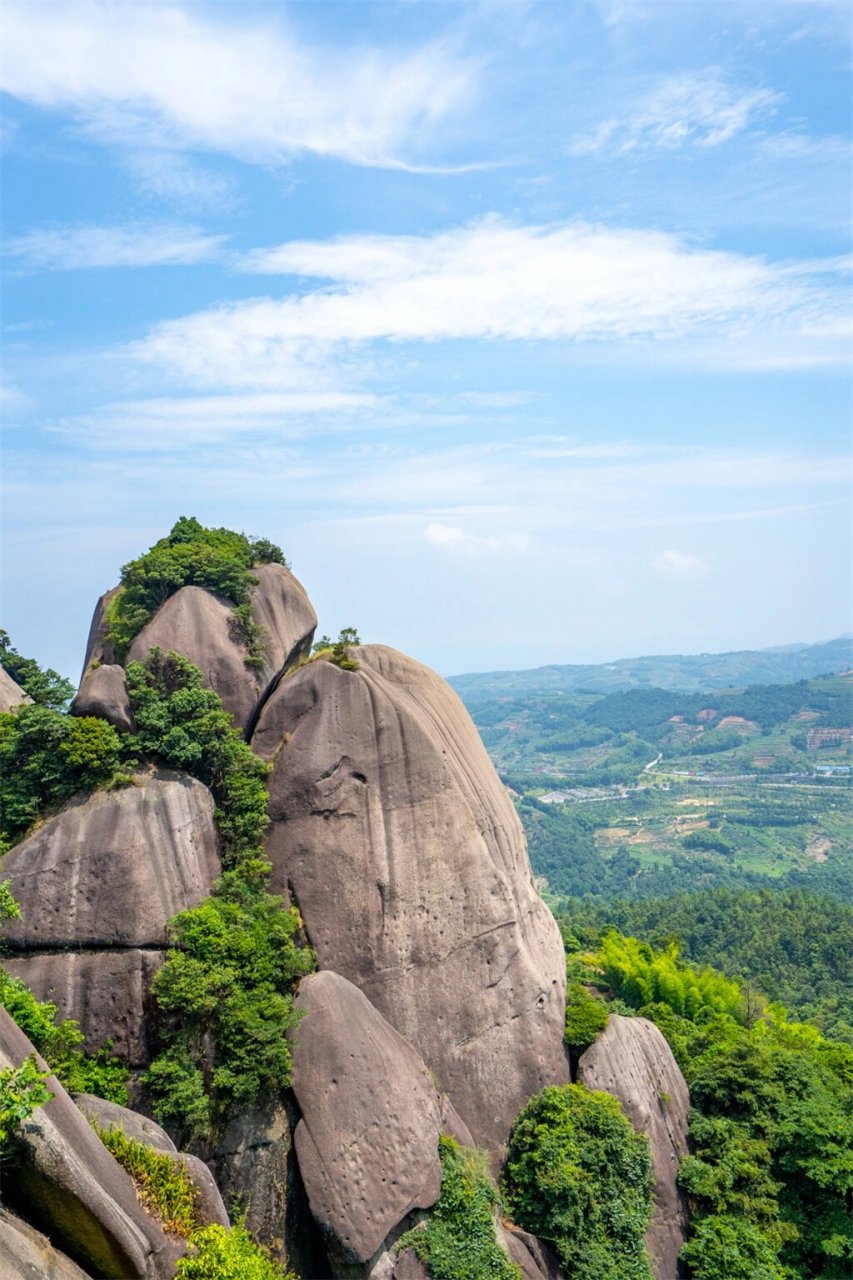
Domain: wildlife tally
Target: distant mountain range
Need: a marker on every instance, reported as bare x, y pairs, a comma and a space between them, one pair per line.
695, 673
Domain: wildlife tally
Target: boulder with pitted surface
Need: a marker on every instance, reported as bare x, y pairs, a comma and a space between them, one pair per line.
393, 833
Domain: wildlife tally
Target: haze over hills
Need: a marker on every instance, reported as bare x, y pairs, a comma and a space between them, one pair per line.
689, 672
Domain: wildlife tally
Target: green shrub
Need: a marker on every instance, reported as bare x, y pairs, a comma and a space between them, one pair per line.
579, 1177
47, 756
225, 998
641, 976
586, 1018
22, 1089
162, 1183
190, 555
46, 687
182, 725
457, 1241
59, 1043
218, 1254
727, 1248
338, 651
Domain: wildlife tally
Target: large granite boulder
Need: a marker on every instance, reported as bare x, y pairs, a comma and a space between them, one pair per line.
27, 1254
393, 833
106, 992
201, 626
110, 1115
67, 1185
632, 1061
367, 1142
103, 692
97, 885
111, 868
11, 693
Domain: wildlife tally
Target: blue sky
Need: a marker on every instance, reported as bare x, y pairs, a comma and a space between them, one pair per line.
523, 327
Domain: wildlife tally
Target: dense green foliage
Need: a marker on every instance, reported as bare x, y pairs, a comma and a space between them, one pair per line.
793, 946
45, 686
225, 999
162, 1183
639, 975
22, 1089
224, 993
60, 1043
218, 1254
182, 725
190, 555
457, 1241
771, 1129
586, 1018
578, 1176
47, 756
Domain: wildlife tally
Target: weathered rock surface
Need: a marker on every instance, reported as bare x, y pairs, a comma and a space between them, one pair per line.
209, 1205
11, 693
105, 991
26, 1254
98, 648
68, 1185
109, 1115
110, 869
256, 1168
536, 1260
200, 625
367, 1142
395, 836
103, 692
632, 1061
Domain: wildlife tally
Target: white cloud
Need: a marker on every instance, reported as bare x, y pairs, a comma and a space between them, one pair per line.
698, 109
168, 175
139, 74
449, 538
139, 245
677, 562
493, 280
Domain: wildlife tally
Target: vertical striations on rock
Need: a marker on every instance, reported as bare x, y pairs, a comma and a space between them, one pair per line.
395, 836
632, 1061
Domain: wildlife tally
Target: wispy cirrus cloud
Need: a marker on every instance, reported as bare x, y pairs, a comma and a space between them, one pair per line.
680, 563
135, 245
493, 280
450, 538
694, 109
139, 74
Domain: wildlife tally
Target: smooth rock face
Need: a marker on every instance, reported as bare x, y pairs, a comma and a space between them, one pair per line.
103, 692
395, 836
69, 1186
281, 606
106, 992
26, 1254
199, 625
98, 648
11, 693
367, 1142
110, 869
632, 1061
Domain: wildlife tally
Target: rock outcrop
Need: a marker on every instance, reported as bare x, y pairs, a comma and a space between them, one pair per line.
392, 831
109, 1115
201, 626
367, 1142
96, 885
68, 1186
103, 692
109, 870
632, 1061
27, 1254
105, 991
11, 693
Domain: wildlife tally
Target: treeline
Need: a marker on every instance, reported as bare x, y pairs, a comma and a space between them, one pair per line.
792, 945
